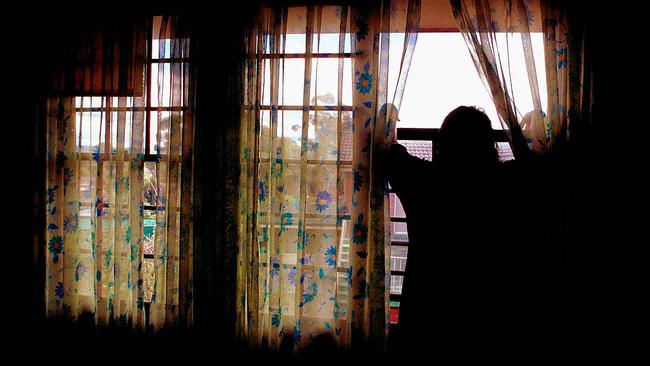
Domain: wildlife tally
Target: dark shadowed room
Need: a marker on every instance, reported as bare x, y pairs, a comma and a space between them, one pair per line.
314, 182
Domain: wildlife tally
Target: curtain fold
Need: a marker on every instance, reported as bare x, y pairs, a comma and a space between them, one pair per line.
116, 168
376, 107
314, 250
489, 25
568, 73
480, 29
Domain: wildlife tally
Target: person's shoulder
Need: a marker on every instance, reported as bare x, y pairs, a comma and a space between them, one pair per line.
397, 148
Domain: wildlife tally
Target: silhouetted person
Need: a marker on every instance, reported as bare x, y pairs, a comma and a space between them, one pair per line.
469, 271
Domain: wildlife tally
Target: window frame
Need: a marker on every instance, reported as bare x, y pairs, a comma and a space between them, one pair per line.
107, 108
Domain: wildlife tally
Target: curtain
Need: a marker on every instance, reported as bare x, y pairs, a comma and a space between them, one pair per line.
568, 73
314, 249
119, 164
489, 27
481, 22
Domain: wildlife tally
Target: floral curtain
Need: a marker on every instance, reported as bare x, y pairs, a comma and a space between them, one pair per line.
567, 74
118, 159
314, 242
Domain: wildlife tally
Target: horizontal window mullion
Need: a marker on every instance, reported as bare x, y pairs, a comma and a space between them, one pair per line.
333, 108
87, 156
86, 204
274, 56
339, 269
307, 215
169, 60
313, 162
133, 109
314, 227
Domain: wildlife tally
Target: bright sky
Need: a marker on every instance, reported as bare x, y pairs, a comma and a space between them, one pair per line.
443, 76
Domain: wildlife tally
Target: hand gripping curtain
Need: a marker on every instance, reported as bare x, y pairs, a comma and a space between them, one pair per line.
314, 241
119, 150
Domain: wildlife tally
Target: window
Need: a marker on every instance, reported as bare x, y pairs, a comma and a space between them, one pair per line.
327, 112
441, 78
162, 108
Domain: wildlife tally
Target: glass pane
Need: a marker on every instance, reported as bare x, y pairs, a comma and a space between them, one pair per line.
396, 283
398, 231
329, 43
150, 184
321, 191
396, 209
325, 78
282, 69
346, 136
394, 312
345, 192
164, 78
323, 136
93, 102
160, 78
291, 72
148, 273
149, 231
161, 84
128, 122
156, 52
87, 179
289, 133
266, 87
294, 76
295, 43
398, 257
159, 121
396, 48
88, 129
344, 244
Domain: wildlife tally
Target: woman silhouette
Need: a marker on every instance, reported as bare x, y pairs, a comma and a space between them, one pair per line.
466, 268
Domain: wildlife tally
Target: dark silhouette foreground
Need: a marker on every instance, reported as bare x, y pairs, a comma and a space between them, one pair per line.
475, 276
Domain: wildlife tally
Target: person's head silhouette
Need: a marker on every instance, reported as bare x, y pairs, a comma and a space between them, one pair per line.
466, 139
